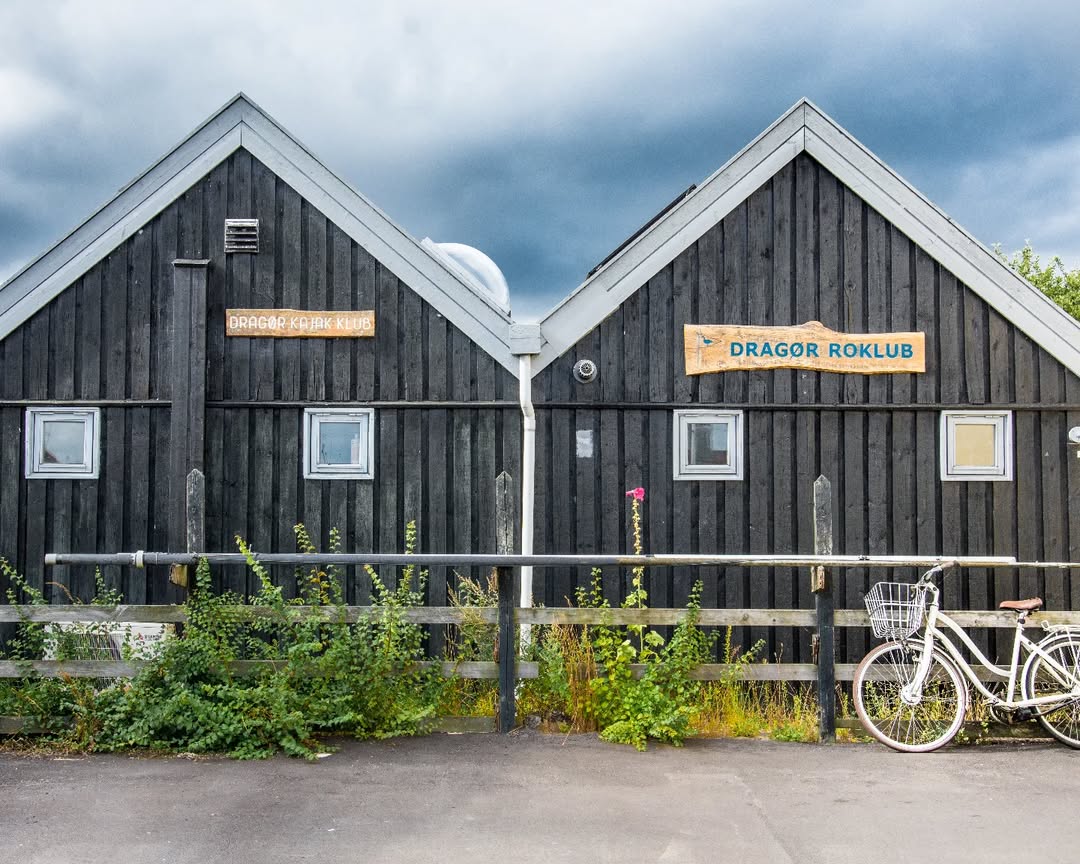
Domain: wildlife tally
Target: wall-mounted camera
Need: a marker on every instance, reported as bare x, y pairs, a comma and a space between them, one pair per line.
585, 371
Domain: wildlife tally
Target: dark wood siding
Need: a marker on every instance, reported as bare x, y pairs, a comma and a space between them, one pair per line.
805, 247
96, 342
447, 420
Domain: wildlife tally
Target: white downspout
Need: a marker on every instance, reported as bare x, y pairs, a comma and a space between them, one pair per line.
526, 340
528, 478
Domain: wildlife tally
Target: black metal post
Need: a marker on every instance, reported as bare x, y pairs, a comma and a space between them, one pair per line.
507, 652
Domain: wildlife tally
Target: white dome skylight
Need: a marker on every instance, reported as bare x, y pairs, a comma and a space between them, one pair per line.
475, 269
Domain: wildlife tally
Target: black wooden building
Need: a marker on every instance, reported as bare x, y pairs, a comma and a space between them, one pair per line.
118, 377
803, 225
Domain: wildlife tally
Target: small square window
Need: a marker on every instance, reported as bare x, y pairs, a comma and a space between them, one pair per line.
976, 445
708, 445
62, 443
338, 443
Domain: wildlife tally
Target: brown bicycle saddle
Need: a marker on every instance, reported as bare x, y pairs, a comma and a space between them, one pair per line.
1022, 605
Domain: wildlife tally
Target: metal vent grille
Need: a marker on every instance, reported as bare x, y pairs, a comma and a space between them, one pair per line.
585, 371
241, 235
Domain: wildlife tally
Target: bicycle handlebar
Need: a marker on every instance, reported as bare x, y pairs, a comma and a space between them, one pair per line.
927, 578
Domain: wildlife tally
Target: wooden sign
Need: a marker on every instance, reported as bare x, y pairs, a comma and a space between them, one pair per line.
724, 348
297, 323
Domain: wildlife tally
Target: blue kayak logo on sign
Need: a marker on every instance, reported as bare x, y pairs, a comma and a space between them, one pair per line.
725, 348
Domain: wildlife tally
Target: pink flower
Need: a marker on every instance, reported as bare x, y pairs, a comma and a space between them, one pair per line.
638, 493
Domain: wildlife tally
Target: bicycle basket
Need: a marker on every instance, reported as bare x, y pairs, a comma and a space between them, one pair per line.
896, 609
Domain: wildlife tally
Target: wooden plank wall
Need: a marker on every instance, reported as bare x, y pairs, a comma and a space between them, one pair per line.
103, 338
99, 340
804, 247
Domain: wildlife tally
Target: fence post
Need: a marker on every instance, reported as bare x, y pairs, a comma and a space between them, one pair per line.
195, 522
821, 585
196, 511
504, 545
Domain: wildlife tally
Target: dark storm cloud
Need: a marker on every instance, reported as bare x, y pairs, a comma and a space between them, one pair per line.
46, 187
549, 207
546, 136
548, 210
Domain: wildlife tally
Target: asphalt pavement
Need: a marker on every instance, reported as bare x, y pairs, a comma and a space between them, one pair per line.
531, 797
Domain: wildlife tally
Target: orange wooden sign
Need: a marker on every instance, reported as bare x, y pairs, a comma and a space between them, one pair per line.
298, 323
724, 348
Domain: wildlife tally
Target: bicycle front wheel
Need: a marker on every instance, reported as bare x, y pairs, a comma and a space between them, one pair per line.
1057, 673
925, 725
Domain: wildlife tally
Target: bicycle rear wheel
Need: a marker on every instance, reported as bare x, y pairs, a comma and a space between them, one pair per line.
910, 728
1057, 673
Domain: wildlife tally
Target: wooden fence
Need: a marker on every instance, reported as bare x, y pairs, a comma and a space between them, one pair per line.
509, 619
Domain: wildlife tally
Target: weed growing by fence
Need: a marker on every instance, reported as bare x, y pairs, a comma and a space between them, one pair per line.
737, 708
657, 705
472, 640
629, 708
562, 693
624, 681
591, 677
64, 706
188, 698
630, 685
312, 675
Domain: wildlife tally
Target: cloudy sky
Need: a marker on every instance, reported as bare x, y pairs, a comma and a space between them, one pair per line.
545, 133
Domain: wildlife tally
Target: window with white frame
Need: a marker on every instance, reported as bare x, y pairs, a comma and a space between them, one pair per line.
338, 443
708, 445
63, 443
976, 445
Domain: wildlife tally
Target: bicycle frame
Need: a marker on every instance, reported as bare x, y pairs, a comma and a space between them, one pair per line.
933, 633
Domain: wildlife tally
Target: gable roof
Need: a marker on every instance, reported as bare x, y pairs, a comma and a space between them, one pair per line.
806, 129
241, 123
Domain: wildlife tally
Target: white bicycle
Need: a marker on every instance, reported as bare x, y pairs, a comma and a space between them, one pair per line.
911, 693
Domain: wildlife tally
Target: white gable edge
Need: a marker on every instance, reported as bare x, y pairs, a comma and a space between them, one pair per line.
129, 197
92, 242
480, 320
242, 124
976, 266
1031, 311
721, 193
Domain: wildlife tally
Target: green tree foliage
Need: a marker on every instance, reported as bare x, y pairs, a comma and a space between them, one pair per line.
1060, 285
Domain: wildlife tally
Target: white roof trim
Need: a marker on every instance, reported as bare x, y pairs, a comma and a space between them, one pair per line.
805, 128
957, 251
241, 123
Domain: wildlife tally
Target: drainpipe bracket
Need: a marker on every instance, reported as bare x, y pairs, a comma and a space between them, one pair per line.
526, 338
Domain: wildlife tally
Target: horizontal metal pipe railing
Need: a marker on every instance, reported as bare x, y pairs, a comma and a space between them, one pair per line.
142, 559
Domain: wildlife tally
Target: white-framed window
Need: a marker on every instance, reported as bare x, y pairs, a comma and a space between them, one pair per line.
708, 445
339, 444
63, 443
976, 445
